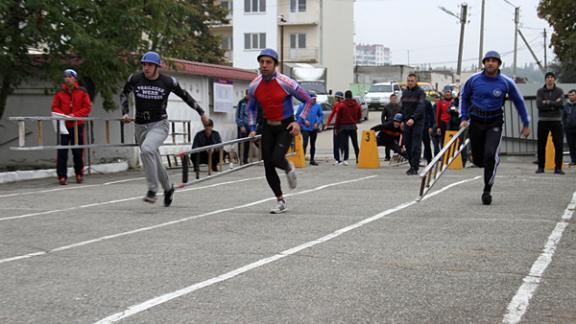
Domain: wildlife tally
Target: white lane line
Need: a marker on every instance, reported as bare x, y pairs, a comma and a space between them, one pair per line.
68, 188
148, 228
138, 308
519, 304
117, 201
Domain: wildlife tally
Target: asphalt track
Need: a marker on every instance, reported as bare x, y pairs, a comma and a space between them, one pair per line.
354, 247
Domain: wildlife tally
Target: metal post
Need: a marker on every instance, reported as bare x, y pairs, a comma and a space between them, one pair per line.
545, 59
282, 21
481, 49
463, 17
516, 21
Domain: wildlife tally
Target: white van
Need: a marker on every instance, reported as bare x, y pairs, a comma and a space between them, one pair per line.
379, 94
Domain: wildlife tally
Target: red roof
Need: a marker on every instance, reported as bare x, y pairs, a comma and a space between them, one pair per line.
213, 70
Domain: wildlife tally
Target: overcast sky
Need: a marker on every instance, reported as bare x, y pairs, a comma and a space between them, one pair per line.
418, 31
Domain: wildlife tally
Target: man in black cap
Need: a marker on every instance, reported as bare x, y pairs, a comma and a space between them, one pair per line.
549, 100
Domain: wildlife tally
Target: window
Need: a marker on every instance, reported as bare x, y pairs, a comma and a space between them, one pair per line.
255, 41
298, 40
297, 5
227, 4
254, 5
226, 42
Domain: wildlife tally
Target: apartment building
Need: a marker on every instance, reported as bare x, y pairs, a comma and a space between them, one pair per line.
375, 54
318, 32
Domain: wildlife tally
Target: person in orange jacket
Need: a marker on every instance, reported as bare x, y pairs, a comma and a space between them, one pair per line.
72, 101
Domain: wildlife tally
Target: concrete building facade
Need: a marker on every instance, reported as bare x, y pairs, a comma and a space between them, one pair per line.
303, 31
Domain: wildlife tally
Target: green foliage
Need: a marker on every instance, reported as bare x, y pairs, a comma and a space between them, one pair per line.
101, 39
561, 15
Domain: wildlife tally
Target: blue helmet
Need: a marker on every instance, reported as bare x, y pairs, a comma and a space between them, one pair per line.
151, 57
398, 117
270, 53
339, 94
492, 54
70, 72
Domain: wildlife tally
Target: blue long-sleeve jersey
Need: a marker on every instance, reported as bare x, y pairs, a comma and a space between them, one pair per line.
487, 94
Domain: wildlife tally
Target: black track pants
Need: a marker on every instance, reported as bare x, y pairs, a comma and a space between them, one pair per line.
485, 138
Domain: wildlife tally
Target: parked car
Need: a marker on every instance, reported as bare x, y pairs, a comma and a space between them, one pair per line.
431, 93
364, 107
327, 110
379, 94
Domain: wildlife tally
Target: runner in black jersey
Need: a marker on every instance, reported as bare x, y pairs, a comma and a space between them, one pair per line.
151, 90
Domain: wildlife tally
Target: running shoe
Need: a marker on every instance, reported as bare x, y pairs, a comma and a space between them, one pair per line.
279, 208
168, 197
150, 197
291, 176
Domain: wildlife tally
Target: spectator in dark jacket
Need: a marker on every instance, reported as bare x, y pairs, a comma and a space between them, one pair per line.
71, 101
348, 116
550, 100
569, 122
206, 137
390, 110
242, 125
429, 126
413, 108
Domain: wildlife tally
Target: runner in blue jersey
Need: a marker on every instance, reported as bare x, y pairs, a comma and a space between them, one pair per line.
481, 102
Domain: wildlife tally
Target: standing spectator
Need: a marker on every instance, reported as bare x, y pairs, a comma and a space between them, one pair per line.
339, 151
73, 101
569, 121
346, 120
242, 125
273, 91
388, 113
413, 109
481, 103
310, 126
151, 90
206, 137
549, 100
429, 125
443, 116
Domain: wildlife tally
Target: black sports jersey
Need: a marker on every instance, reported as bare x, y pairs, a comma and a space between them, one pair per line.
151, 97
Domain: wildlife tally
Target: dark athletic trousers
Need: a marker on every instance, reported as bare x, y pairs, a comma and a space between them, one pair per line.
485, 137
276, 140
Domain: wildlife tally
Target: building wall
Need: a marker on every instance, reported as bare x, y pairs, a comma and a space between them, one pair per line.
261, 22
337, 42
31, 99
373, 74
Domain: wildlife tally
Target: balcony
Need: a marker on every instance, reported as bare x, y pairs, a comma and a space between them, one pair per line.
302, 55
301, 18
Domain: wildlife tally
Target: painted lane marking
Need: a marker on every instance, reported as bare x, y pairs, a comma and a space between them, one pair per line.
519, 303
148, 228
138, 308
118, 200
69, 188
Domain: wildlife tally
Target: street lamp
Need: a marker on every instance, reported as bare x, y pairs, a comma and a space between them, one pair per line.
282, 22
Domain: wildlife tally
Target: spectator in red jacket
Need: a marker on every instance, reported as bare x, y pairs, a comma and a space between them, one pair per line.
443, 116
348, 116
340, 152
72, 101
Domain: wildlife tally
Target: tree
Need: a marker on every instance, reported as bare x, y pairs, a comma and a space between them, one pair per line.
561, 15
102, 39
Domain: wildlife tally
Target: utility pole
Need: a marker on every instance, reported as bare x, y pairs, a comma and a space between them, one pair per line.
463, 17
516, 21
545, 61
481, 50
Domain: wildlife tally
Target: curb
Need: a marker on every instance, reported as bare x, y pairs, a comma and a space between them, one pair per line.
14, 176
